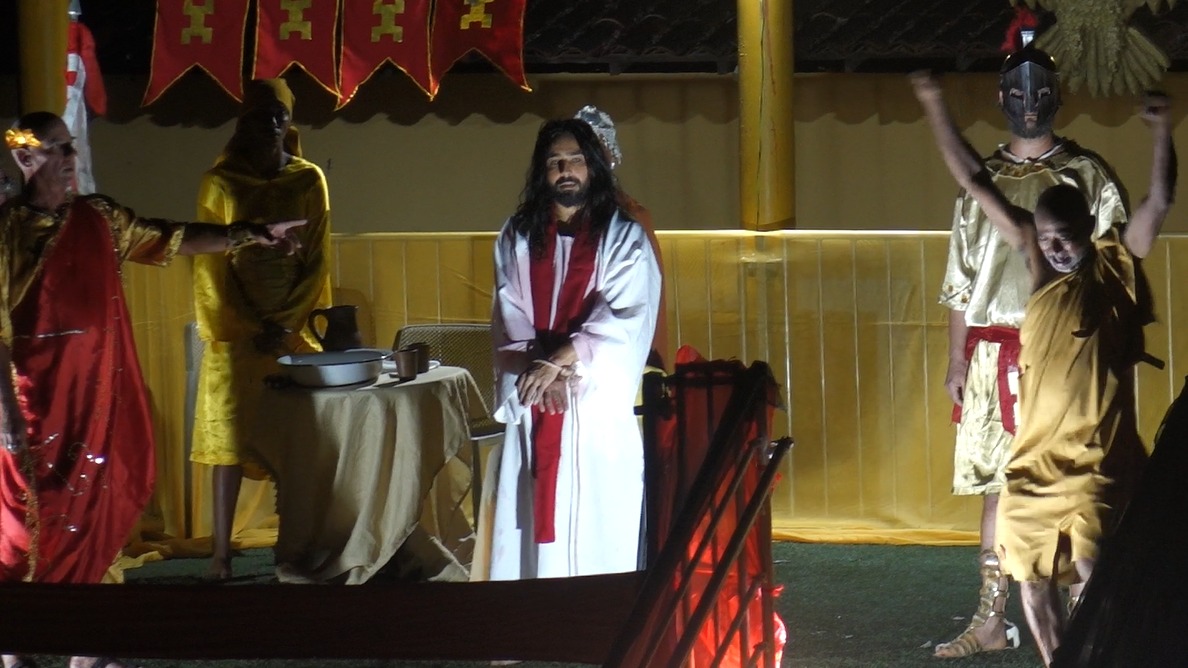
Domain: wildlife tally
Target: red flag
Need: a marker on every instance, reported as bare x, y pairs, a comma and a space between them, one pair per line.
493, 28
203, 33
296, 32
81, 44
379, 31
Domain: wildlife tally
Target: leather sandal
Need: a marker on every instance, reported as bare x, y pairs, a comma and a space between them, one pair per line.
991, 603
967, 644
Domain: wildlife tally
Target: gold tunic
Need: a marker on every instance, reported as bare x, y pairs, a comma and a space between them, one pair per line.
1077, 450
27, 234
988, 280
236, 291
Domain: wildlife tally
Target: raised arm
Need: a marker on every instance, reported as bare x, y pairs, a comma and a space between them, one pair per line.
1148, 218
1016, 225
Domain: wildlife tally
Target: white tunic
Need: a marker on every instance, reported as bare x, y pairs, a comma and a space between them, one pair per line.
600, 480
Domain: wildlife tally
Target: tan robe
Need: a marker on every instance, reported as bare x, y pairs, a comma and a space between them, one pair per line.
1077, 450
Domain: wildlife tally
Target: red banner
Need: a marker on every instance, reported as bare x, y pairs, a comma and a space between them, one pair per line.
203, 33
379, 31
493, 28
297, 32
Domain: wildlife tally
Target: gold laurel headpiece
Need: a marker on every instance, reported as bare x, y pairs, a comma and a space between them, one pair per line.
15, 139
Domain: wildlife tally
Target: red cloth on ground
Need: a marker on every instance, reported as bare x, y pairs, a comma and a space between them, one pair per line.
551, 332
89, 466
1008, 362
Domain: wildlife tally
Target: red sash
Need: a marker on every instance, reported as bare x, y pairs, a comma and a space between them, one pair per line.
1008, 361
89, 465
572, 310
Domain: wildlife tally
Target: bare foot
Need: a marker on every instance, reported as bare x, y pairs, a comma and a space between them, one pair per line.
220, 569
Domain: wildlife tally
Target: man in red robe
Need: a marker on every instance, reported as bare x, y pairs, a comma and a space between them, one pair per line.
77, 464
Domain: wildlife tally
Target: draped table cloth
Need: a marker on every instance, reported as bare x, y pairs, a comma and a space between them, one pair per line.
364, 472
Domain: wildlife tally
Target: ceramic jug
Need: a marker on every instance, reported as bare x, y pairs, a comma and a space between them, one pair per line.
342, 329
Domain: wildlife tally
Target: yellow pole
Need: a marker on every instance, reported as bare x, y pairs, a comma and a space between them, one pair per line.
767, 193
42, 26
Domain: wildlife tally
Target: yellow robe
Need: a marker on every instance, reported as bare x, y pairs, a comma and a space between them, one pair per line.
235, 291
1077, 451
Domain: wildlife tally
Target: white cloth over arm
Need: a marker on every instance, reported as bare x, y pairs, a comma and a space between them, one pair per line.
600, 482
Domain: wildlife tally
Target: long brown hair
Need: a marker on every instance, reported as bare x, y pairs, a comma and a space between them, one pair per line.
536, 200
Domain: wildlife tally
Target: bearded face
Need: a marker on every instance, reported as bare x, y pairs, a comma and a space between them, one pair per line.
1030, 95
569, 193
569, 179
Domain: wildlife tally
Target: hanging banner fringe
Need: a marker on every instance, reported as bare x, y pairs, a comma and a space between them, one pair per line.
198, 33
297, 32
491, 28
378, 31
422, 38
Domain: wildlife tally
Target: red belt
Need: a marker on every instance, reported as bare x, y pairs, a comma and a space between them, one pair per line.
1008, 361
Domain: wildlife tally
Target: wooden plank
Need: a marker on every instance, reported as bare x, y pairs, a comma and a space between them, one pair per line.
561, 619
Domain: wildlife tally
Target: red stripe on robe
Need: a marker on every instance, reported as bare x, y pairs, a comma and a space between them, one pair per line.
91, 452
572, 310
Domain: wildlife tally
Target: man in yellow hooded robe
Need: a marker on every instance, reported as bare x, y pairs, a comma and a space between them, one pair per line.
252, 302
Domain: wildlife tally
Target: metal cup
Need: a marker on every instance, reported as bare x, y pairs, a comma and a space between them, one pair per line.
407, 363
422, 350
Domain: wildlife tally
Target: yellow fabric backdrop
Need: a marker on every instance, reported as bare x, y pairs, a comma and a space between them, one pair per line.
848, 321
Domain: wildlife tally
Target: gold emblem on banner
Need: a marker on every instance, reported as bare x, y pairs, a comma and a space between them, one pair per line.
296, 22
387, 13
197, 28
476, 14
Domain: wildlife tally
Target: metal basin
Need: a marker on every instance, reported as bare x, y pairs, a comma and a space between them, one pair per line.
332, 369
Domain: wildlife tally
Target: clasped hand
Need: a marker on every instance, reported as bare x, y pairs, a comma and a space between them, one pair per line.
542, 384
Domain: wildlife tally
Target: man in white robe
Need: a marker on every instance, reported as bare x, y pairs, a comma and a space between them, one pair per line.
577, 293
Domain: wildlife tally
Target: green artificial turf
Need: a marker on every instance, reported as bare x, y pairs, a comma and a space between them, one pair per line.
852, 606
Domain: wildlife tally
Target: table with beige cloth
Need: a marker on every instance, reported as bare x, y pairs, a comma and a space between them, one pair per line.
365, 472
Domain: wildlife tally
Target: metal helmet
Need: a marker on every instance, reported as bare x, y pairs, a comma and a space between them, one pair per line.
1029, 84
